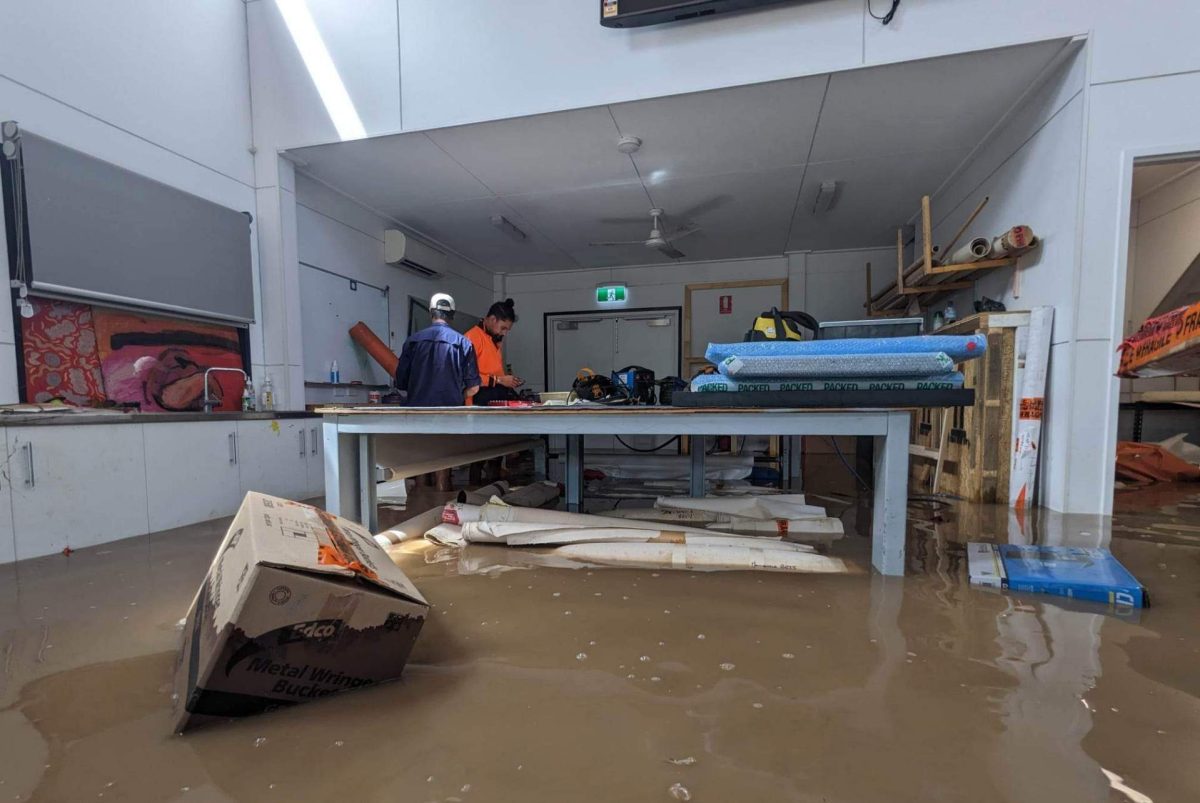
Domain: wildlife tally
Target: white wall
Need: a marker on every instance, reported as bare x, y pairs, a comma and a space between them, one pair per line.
1030, 169
828, 285
339, 235
159, 89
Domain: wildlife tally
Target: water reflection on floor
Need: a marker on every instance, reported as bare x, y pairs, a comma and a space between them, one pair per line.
553, 684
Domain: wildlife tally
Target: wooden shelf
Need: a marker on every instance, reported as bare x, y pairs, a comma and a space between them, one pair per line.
926, 282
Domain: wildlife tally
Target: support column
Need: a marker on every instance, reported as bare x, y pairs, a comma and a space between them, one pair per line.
278, 285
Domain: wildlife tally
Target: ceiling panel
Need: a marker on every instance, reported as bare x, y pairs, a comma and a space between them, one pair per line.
926, 105
392, 173
874, 197
574, 218
1149, 177
467, 226
741, 214
572, 149
724, 131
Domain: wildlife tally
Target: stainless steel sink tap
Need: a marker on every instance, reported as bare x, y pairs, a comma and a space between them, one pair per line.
210, 402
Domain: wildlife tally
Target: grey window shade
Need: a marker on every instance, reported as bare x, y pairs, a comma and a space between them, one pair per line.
104, 234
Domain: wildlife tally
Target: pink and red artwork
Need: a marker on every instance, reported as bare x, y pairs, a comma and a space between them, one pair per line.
158, 363
59, 351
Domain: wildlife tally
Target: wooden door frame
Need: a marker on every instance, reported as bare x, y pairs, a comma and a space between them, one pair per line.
687, 358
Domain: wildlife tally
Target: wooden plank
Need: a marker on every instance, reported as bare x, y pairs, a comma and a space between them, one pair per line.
959, 267
927, 232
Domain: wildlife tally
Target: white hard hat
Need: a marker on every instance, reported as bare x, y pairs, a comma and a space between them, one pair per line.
442, 301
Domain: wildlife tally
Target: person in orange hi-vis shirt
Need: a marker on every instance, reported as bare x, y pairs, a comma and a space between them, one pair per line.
486, 336
495, 383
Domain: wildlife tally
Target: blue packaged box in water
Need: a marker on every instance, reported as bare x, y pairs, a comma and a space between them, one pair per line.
1082, 573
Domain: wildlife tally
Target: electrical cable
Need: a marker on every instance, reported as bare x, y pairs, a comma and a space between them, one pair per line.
846, 463
652, 449
886, 18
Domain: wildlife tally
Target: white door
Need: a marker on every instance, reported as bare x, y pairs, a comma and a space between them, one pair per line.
273, 457
575, 342
191, 472
8, 543
76, 486
724, 314
651, 340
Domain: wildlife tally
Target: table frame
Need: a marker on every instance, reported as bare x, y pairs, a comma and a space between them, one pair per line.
350, 453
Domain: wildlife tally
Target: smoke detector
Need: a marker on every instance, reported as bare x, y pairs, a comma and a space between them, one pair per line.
629, 144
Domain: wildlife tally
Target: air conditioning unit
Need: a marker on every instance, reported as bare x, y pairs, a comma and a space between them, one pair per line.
406, 252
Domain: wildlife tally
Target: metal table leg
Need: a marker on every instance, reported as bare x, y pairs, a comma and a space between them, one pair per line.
368, 508
539, 459
341, 472
575, 473
697, 485
891, 496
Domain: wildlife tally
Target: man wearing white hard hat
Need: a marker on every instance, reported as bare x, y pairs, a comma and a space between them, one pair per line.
438, 366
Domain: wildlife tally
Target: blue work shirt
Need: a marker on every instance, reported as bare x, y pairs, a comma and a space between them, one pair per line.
437, 365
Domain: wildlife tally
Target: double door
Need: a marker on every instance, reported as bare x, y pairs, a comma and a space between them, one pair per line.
609, 341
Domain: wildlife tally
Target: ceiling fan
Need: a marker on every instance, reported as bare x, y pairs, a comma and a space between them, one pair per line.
659, 239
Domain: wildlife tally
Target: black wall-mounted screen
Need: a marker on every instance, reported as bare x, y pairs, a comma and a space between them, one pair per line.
100, 233
636, 13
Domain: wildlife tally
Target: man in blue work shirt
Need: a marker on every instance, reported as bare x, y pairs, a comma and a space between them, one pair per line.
437, 365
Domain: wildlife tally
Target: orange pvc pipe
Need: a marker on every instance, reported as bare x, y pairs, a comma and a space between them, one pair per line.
361, 334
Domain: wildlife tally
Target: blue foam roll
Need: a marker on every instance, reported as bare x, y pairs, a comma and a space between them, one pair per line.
840, 365
717, 383
957, 347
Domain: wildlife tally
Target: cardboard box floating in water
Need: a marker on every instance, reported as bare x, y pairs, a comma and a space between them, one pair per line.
1082, 573
298, 604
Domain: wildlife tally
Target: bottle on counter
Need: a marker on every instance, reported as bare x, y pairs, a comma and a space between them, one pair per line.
249, 402
335, 375
268, 395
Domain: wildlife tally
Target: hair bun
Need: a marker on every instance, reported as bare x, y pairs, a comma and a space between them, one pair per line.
508, 302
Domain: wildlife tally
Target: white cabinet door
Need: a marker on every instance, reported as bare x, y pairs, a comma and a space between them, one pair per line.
76, 486
316, 459
273, 457
191, 472
8, 542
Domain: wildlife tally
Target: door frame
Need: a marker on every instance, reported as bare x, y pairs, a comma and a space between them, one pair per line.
609, 313
688, 360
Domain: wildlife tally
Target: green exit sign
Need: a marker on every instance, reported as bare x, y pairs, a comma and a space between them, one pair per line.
612, 294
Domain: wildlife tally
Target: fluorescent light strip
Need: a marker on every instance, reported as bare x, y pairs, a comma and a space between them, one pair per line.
321, 69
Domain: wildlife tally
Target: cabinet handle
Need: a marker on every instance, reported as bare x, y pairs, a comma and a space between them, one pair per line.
302, 449
314, 440
30, 477
232, 448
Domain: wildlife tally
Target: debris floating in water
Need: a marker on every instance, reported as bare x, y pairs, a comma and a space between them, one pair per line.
644, 658
260, 741
581, 656
789, 655
680, 792
728, 667
700, 636
682, 762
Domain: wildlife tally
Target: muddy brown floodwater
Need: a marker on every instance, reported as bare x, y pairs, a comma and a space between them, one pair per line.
623, 685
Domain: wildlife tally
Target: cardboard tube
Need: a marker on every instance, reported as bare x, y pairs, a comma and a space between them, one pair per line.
361, 334
975, 249
1018, 239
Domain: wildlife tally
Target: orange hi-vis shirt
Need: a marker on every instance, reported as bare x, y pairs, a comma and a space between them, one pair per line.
487, 355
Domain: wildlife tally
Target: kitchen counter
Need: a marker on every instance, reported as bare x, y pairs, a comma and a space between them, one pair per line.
27, 419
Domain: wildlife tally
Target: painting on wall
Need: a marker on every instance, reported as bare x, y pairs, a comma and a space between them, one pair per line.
158, 363
60, 354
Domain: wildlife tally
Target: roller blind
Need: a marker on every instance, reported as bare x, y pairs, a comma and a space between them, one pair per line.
102, 233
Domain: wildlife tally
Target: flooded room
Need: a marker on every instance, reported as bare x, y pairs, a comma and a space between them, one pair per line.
591, 400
